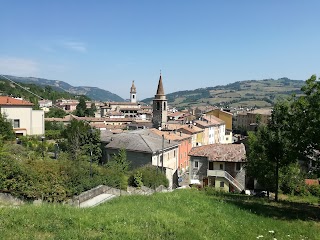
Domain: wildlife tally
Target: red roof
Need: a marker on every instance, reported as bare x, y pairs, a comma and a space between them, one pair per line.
9, 101
312, 181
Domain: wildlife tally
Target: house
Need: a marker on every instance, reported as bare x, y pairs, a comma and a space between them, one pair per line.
25, 120
196, 132
248, 120
68, 105
144, 147
219, 166
214, 129
223, 115
185, 145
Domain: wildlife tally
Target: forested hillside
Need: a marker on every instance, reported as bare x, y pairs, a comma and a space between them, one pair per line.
260, 93
8, 88
92, 92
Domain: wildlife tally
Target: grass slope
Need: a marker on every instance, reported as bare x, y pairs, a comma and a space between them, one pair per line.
185, 214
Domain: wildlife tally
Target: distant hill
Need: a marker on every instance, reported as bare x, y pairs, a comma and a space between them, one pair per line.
250, 93
94, 93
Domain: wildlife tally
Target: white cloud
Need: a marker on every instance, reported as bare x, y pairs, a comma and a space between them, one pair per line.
18, 66
75, 46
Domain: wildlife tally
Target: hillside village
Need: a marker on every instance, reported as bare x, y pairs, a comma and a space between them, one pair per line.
195, 146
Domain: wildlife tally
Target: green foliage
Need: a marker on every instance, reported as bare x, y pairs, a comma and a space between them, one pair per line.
119, 161
45, 92
150, 176
314, 190
53, 134
291, 178
6, 130
81, 108
55, 112
81, 140
138, 179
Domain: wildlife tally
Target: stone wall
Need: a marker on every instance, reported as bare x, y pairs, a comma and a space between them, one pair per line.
8, 198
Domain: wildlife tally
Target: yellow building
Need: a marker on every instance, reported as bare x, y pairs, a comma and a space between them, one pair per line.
223, 115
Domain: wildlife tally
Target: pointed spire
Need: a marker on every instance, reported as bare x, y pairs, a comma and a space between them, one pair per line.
133, 88
160, 90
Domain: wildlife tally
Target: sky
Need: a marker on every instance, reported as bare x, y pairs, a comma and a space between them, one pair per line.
195, 44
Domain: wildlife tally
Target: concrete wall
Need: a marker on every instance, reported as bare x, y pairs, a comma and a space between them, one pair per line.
200, 172
37, 122
22, 113
225, 188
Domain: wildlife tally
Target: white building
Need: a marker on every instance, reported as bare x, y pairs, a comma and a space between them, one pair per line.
25, 121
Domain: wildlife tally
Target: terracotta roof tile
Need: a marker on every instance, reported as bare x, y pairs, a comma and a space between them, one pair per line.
220, 152
172, 135
9, 101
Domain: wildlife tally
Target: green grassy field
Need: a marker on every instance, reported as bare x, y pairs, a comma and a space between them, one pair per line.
183, 214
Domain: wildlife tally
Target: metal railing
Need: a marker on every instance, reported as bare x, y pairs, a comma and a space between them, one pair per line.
226, 175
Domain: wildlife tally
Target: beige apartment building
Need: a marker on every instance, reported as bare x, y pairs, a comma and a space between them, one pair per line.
25, 121
248, 119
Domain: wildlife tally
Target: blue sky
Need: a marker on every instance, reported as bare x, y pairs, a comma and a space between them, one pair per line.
196, 44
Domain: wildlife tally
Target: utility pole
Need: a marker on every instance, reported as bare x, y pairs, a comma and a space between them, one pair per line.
162, 152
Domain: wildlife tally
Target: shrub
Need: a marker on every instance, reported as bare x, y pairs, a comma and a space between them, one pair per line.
150, 177
314, 190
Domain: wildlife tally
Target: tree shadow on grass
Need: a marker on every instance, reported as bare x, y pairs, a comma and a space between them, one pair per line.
285, 210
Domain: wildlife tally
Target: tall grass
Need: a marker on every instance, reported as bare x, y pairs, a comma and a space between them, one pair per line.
183, 214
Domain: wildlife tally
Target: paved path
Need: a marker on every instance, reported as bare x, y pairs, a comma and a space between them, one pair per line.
97, 200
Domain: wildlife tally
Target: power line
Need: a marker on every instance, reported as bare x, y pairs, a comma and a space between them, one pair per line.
41, 98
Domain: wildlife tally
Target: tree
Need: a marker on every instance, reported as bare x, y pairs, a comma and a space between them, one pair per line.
304, 121
119, 161
81, 107
90, 112
291, 135
6, 130
269, 151
55, 113
81, 140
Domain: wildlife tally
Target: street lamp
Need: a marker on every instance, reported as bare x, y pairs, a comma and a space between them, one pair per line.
42, 140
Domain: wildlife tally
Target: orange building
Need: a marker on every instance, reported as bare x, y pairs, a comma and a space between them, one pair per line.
185, 145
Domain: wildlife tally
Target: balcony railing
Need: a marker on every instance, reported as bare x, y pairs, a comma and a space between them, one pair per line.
226, 175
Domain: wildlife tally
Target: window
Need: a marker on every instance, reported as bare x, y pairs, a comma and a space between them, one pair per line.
221, 184
164, 106
174, 153
221, 166
158, 106
238, 166
16, 123
196, 164
133, 96
210, 165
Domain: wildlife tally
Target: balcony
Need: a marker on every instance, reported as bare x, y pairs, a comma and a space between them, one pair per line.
226, 175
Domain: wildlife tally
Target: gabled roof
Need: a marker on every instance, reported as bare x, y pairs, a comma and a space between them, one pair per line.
172, 135
9, 101
190, 128
220, 152
139, 141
